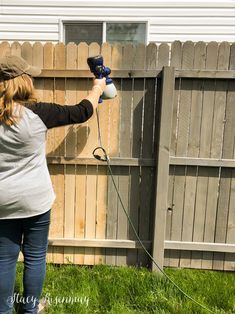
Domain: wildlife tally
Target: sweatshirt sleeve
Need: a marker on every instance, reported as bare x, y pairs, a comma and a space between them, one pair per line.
54, 115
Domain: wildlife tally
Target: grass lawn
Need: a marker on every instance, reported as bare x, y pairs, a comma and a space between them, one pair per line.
125, 290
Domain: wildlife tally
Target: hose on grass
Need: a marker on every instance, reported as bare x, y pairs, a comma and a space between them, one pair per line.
105, 158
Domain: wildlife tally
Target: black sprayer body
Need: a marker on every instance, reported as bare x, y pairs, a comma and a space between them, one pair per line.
96, 65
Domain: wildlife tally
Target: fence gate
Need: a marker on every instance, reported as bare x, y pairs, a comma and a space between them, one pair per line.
195, 195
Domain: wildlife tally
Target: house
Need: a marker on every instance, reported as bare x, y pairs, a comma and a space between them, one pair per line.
121, 21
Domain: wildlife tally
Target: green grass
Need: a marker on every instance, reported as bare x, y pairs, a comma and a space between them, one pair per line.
129, 290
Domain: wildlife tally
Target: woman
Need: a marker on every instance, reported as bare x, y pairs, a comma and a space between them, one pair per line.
26, 192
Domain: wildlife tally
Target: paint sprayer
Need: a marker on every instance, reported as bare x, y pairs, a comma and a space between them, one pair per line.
100, 71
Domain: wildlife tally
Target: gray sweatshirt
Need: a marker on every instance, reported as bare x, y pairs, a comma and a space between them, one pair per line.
25, 184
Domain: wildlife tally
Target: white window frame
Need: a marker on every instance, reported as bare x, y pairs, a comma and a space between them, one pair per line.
75, 20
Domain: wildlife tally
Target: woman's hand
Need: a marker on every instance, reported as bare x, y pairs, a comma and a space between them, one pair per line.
100, 84
96, 91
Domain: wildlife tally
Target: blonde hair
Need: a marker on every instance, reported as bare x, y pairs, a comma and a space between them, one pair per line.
18, 90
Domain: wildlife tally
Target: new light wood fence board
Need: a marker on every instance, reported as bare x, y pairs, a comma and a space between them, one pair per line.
80, 211
98, 243
59, 149
70, 145
48, 96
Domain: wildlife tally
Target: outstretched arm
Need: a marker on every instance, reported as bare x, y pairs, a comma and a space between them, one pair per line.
54, 115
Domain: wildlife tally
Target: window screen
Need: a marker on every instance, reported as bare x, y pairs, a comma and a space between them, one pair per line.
126, 32
83, 32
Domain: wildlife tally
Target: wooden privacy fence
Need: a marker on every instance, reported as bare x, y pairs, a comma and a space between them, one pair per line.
170, 134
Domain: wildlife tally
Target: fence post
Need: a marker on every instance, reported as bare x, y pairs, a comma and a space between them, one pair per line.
162, 177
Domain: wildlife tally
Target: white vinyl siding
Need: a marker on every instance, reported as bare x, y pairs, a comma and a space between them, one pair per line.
166, 20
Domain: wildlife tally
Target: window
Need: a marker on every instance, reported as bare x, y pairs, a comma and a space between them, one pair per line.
125, 33
112, 32
87, 32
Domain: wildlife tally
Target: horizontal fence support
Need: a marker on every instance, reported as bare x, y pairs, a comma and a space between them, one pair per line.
105, 243
134, 162
206, 74
207, 162
87, 74
199, 246
144, 162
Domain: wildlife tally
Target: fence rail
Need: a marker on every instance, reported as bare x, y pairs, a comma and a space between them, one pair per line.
220, 74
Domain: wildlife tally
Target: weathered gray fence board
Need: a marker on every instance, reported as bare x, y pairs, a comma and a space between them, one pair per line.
125, 134
208, 113
221, 216
204, 150
183, 122
136, 147
226, 174
215, 152
188, 214
168, 83
184, 134
136, 211
176, 60
151, 113
230, 236
193, 150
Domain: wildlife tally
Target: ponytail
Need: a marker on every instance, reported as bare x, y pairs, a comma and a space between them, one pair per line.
17, 90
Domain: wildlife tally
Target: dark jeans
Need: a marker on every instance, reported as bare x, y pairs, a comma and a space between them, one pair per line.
31, 236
